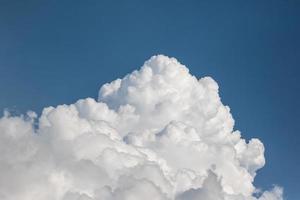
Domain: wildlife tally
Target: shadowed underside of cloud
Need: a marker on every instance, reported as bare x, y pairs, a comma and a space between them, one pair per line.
157, 134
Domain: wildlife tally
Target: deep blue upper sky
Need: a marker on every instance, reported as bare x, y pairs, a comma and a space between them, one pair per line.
55, 52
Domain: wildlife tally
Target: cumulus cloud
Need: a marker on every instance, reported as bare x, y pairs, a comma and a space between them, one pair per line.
159, 133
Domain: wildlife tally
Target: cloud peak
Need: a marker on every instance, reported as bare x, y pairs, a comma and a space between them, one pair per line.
158, 133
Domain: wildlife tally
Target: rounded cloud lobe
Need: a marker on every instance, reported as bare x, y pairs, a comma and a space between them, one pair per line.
159, 134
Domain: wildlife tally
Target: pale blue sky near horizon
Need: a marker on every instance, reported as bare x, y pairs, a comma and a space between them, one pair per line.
56, 52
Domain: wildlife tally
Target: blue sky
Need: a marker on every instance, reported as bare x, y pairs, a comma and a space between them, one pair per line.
55, 52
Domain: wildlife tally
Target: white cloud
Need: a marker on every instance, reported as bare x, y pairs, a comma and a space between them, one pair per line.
159, 133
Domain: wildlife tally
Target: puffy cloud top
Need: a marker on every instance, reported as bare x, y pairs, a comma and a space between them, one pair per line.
159, 134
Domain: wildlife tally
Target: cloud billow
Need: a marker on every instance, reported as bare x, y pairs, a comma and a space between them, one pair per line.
157, 134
